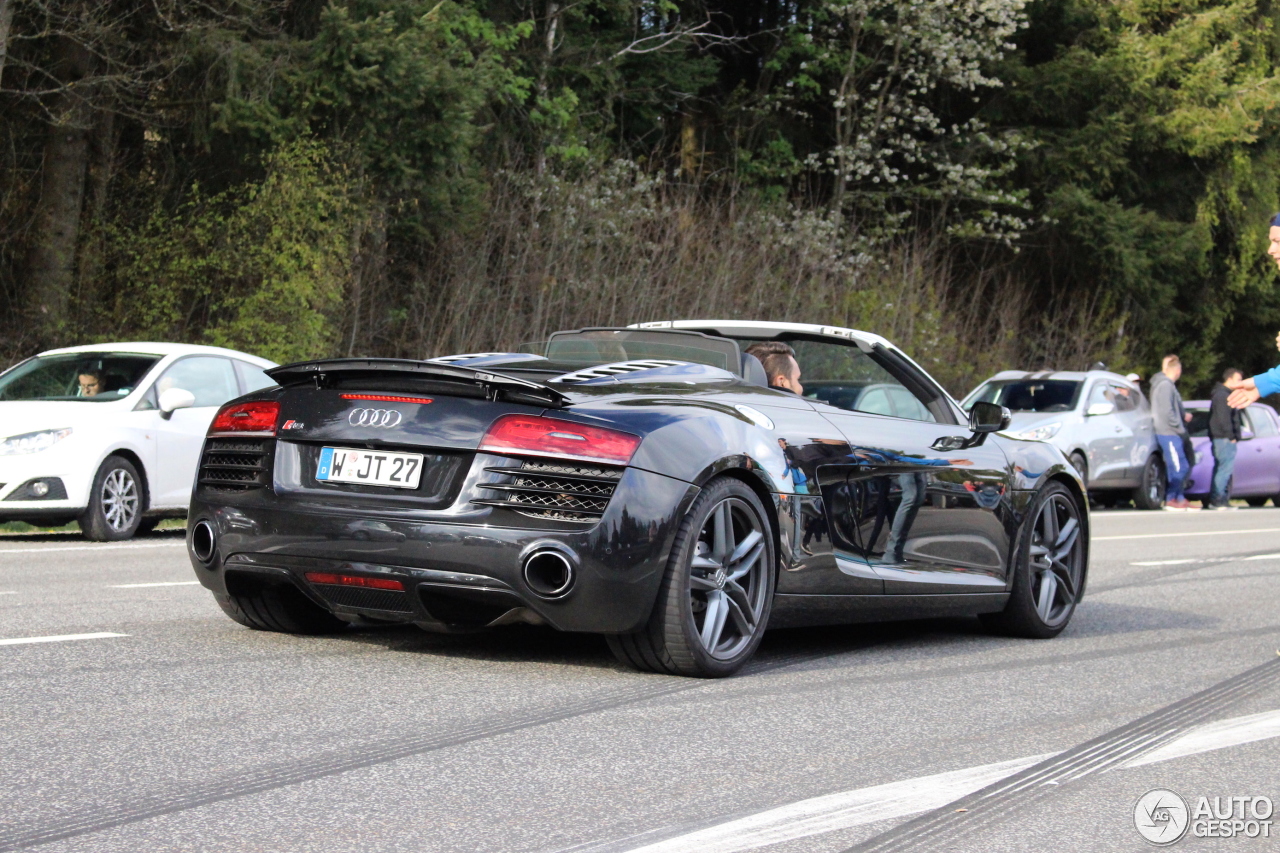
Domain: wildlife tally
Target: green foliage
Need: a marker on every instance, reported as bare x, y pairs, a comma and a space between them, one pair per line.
1155, 129
399, 85
301, 178
260, 267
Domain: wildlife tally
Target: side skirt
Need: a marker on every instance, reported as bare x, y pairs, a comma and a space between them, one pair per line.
796, 611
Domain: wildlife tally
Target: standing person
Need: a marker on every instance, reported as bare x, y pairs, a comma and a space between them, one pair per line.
1225, 424
1171, 426
1246, 391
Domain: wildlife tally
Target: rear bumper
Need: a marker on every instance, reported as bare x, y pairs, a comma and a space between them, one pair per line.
455, 575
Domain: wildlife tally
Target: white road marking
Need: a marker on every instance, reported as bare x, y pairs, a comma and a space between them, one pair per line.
837, 811
1175, 535
8, 592
1163, 562
1264, 557
61, 638
847, 809
1213, 736
92, 548
144, 585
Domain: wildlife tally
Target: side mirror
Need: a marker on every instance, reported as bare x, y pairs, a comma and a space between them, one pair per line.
1100, 409
175, 398
1246, 434
988, 417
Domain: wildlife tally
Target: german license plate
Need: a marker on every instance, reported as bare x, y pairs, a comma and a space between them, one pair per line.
369, 467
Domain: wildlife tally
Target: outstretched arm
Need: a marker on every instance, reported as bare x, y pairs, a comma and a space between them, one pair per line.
1243, 392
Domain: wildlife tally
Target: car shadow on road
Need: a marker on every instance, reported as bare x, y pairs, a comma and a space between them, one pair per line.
1108, 618
779, 647
508, 644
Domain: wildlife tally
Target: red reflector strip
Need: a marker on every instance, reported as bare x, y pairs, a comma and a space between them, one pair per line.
386, 398
355, 580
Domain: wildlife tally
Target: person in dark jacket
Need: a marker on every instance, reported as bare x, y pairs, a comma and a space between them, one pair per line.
1225, 424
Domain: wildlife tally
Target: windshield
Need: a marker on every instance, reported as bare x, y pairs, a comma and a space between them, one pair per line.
1031, 395
91, 377
604, 346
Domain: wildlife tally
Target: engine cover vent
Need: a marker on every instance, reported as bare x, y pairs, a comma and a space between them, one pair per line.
621, 367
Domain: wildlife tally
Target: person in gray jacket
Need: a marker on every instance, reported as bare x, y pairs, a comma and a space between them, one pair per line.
1171, 428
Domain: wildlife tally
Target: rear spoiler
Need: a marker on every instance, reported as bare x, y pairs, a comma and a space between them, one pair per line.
323, 373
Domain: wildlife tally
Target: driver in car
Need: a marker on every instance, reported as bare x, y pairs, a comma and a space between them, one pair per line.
90, 382
780, 365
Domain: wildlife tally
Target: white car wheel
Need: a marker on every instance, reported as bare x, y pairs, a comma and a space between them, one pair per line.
115, 502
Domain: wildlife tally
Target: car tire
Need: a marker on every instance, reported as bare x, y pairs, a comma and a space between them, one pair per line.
1151, 490
1081, 465
1049, 562
722, 567
115, 502
1256, 502
278, 607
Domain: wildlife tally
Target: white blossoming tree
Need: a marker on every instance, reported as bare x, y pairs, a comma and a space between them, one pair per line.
891, 90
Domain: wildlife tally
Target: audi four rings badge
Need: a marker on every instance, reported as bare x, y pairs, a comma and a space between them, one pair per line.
375, 417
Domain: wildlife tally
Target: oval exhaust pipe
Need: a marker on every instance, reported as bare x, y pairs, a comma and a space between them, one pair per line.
549, 573
203, 541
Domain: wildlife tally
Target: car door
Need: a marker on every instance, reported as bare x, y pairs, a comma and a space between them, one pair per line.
1257, 471
179, 437
1134, 412
926, 512
1106, 436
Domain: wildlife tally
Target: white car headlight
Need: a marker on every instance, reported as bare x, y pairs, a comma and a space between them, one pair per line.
32, 442
1044, 432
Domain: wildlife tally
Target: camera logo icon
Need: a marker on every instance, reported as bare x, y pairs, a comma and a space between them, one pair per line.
1161, 816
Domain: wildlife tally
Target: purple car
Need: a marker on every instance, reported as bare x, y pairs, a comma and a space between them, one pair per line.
1257, 472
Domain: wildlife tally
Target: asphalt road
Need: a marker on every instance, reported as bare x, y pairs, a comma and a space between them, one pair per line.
170, 728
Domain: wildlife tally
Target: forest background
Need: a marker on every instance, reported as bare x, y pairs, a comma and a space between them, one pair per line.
989, 183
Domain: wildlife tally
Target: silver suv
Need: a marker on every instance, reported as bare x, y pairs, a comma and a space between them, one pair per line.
1098, 419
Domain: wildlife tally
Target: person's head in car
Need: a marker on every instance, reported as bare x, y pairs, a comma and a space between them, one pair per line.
780, 365
90, 382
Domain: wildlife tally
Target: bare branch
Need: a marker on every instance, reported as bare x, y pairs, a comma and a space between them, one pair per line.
661, 41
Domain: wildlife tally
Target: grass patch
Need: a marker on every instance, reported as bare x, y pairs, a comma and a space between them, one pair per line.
23, 527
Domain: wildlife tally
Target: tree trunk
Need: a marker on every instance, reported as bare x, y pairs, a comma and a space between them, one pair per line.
51, 266
6, 22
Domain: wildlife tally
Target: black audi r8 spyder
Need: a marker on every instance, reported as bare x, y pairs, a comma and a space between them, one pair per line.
644, 483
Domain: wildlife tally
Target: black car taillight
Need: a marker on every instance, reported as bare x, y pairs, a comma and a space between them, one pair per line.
237, 453
256, 416
531, 435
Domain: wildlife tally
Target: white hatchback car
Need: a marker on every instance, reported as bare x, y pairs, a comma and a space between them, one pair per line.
110, 434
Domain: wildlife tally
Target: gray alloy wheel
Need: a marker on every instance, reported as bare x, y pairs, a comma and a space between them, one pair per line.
715, 599
1048, 568
1150, 494
115, 502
